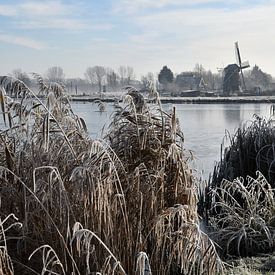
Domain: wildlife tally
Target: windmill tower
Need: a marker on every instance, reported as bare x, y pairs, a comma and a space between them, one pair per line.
242, 65
233, 74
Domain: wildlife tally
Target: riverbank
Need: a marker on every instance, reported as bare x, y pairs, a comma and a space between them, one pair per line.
189, 100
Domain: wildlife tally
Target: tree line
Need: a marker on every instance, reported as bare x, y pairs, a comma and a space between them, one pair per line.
101, 79
95, 78
254, 78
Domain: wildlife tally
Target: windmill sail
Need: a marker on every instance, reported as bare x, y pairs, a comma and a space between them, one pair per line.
245, 65
242, 65
238, 56
235, 71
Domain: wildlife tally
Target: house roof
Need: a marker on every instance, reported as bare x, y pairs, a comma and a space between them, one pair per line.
188, 79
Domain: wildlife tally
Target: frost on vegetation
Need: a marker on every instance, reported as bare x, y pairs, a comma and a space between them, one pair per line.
126, 204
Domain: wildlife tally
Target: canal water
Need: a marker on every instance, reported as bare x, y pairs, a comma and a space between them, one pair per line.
204, 126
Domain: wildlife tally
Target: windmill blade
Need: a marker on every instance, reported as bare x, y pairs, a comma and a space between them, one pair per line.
245, 65
238, 56
242, 65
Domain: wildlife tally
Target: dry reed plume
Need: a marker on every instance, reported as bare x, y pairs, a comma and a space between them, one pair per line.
122, 205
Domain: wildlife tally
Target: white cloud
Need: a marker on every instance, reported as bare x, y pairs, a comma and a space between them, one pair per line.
177, 33
36, 9
49, 14
45, 8
46, 15
132, 6
62, 24
22, 41
102, 27
182, 37
208, 35
53, 23
8, 10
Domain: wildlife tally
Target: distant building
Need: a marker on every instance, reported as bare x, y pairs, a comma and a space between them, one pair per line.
190, 93
189, 81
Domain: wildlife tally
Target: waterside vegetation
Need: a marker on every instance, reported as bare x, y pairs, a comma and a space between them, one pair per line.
238, 204
126, 204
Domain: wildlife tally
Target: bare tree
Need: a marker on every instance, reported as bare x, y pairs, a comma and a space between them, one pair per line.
111, 78
126, 74
122, 74
150, 77
77, 85
55, 74
23, 76
129, 75
147, 80
199, 69
96, 75
209, 78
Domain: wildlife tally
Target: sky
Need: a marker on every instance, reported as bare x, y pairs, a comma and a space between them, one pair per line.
143, 34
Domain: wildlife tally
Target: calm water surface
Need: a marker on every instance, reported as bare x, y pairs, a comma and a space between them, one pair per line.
203, 125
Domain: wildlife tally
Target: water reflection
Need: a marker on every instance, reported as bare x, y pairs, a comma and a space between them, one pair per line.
232, 115
203, 125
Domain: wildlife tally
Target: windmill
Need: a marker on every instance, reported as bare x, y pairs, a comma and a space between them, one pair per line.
232, 81
242, 65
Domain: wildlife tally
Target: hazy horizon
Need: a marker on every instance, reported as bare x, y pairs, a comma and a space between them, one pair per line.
143, 34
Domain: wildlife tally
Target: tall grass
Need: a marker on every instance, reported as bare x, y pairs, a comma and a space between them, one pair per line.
122, 205
252, 148
243, 220
7, 224
241, 212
